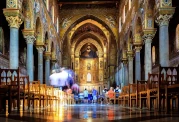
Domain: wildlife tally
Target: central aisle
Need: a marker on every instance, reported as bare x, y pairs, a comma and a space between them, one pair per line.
89, 113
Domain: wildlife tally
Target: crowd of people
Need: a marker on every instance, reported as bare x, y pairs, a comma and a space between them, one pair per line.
64, 79
93, 96
109, 94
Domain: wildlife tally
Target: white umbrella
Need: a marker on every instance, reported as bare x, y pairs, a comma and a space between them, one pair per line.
62, 78
54, 78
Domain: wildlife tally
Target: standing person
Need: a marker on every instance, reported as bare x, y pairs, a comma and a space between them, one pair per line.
94, 94
85, 95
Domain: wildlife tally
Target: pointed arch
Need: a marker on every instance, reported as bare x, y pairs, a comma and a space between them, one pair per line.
52, 14
47, 43
57, 25
38, 32
89, 40
177, 38
53, 50
96, 36
90, 19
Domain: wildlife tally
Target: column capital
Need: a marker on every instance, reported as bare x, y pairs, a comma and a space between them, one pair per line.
14, 17
47, 55
130, 58
53, 60
29, 34
40, 49
30, 39
130, 55
137, 39
138, 48
163, 19
124, 61
149, 34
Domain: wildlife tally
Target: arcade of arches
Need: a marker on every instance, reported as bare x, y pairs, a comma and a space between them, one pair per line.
106, 43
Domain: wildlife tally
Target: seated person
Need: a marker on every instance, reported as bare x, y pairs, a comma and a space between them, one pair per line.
110, 94
69, 91
117, 91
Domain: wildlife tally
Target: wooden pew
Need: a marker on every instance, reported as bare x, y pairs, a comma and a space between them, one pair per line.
56, 96
49, 95
124, 96
43, 96
11, 85
24, 89
154, 90
34, 94
133, 94
141, 93
171, 87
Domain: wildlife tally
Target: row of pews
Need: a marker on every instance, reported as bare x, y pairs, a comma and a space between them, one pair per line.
17, 92
160, 92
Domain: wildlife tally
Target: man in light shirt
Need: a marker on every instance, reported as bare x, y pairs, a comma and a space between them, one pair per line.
85, 96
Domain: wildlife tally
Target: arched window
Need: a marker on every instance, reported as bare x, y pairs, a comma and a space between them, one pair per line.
129, 4
153, 55
52, 13
89, 77
124, 16
177, 38
120, 25
57, 25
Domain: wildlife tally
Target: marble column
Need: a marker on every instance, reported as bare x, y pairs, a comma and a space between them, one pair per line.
163, 21
47, 69
148, 57
40, 64
122, 75
14, 48
30, 57
130, 69
14, 23
148, 36
126, 76
137, 64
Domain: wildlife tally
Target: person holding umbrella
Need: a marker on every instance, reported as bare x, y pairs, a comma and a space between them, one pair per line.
63, 78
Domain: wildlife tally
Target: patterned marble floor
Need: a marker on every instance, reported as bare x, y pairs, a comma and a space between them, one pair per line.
88, 113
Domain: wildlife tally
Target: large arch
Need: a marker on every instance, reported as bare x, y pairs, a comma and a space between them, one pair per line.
92, 34
100, 26
88, 40
89, 19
